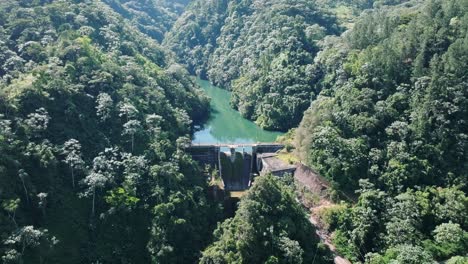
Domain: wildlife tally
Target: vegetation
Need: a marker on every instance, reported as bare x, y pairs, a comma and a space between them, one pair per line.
392, 110
269, 227
96, 115
152, 17
261, 50
89, 169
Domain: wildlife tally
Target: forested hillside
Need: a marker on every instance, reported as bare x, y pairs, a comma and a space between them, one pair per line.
391, 122
152, 17
269, 227
94, 120
98, 107
262, 50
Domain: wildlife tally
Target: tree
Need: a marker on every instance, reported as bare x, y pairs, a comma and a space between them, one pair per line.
183, 120
37, 122
451, 204
44, 152
26, 237
5, 128
261, 51
72, 150
67, 70
11, 206
128, 110
449, 240
395, 113
413, 255
405, 220
363, 225
23, 175
104, 104
42, 204
153, 122
131, 128
292, 251
449, 233
457, 260
268, 226
182, 143
93, 182
11, 256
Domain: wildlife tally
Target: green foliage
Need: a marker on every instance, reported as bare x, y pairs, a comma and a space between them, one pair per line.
449, 240
393, 111
391, 102
119, 197
332, 216
378, 223
269, 227
152, 17
81, 85
262, 51
88, 93
193, 37
457, 260
402, 254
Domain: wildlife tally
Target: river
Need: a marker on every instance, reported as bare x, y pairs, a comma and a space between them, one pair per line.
226, 125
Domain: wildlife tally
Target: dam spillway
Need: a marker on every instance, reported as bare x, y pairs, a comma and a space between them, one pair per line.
236, 170
236, 164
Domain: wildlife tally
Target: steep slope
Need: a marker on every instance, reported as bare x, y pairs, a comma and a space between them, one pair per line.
393, 110
152, 17
261, 50
270, 226
193, 37
94, 121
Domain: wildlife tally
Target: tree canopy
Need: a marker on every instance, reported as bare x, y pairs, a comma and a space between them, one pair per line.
90, 110
392, 110
270, 226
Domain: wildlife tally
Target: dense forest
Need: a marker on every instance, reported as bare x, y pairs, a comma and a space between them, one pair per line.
391, 123
94, 120
269, 227
261, 50
152, 17
98, 104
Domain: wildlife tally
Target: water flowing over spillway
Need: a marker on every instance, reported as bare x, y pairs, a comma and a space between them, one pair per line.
226, 125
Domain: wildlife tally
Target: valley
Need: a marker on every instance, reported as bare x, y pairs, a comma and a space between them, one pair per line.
234, 131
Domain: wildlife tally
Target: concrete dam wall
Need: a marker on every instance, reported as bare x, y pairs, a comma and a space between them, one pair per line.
236, 170
236, 163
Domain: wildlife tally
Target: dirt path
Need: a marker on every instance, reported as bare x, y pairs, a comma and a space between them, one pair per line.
317, 185
324, 235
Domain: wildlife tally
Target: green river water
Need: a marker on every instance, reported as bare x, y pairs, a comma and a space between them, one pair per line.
226, 125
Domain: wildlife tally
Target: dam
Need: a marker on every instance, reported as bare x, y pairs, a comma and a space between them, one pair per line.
238, 164
235, 148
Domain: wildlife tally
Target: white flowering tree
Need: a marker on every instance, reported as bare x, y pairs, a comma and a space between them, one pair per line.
104, 106
37, 122
42, 204
72, 151
25, 238
93, 182
131, 128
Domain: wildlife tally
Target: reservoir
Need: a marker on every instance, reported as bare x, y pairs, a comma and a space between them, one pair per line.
227, 126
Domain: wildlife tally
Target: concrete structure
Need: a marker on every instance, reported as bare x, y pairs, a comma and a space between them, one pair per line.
236, 163
270, 163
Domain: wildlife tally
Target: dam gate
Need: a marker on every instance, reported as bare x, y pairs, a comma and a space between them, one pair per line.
236, 164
